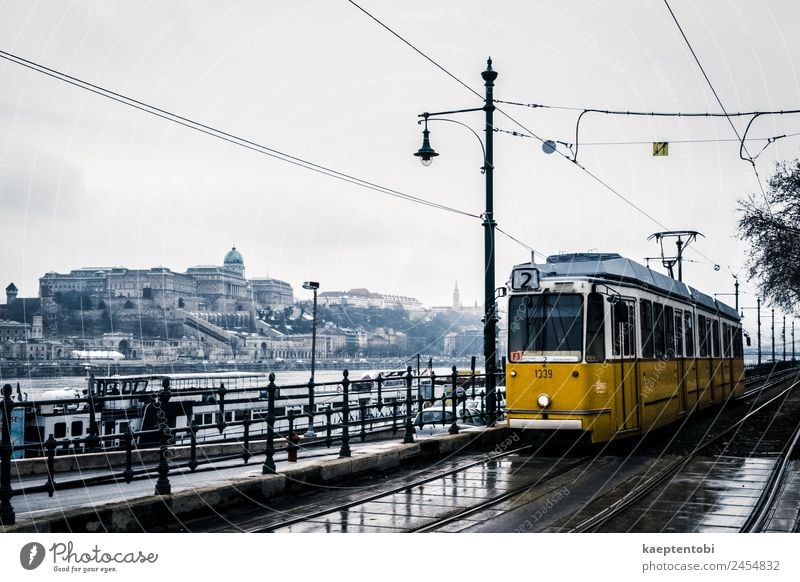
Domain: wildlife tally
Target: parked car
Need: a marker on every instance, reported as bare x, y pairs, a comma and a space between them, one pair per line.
434, 420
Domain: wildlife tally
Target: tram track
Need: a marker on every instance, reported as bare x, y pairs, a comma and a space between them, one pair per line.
759, 516
633, 499
445, 497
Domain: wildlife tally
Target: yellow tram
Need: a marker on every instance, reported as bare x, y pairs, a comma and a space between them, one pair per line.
601, 344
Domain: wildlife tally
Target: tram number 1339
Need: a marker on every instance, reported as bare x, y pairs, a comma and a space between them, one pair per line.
543, 374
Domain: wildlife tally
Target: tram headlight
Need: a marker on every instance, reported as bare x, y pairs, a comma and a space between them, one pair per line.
543, 400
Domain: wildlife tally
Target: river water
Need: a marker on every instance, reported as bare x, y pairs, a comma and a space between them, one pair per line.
36, 386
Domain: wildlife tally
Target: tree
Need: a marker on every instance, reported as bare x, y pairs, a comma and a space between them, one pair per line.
771, 224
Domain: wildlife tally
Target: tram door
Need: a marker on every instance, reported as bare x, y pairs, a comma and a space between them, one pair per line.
623, 318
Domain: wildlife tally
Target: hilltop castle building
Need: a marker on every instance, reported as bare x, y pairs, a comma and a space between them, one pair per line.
202, 288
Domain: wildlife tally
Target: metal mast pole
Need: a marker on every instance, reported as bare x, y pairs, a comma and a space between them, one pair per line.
489, 318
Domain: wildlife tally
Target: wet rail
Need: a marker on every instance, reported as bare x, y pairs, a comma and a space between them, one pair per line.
759, 517
412, 492
739, 438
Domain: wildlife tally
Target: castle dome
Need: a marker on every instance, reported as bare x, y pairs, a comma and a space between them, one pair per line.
233, 257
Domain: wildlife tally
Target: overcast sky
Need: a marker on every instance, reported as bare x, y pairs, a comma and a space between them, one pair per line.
85, 181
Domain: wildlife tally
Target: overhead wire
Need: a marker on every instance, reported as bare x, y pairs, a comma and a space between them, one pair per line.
506, 115
226, 136
716, 95
591, 174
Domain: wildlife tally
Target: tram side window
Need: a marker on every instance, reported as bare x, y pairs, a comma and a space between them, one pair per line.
738, 348
727, 340
595, 328
715, 337
702, 334
678, 337
60, 430
623, 326
669, 332
76, 429
646, 308
688, 333
658, 329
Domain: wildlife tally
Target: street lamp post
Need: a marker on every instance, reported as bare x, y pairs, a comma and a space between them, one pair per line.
312, 286
758, 308
773, 337
783, 338
426, 154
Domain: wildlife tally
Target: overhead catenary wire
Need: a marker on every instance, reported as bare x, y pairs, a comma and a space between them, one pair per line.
226, 136
741, 140
509, 117
716, 95
583, 168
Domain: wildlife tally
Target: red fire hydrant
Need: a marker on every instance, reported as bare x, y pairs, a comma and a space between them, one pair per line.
291, 447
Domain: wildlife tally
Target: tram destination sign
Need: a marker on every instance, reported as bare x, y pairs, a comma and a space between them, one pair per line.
525, 279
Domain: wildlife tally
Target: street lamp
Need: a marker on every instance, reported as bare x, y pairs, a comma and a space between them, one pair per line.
312, 286
426, 154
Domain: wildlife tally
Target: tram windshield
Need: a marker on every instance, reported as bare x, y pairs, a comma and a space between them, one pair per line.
545, 328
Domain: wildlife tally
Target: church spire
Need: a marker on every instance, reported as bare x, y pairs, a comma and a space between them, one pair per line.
456, 297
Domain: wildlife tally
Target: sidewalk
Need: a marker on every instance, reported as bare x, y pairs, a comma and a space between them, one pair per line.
121, 507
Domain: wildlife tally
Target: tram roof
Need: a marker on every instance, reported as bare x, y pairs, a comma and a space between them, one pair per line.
615, 267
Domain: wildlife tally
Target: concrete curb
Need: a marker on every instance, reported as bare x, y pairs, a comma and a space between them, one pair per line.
167, 512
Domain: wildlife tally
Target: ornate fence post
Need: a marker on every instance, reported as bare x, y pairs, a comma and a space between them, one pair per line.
246, 454
162, 484
128, 472
362, 411
193, 428
7, 515
454, 401
93, 439
221, 424
50, 446
328, 437
433, 387
310, 434
269, 461
472, 376
408, 437
344, 451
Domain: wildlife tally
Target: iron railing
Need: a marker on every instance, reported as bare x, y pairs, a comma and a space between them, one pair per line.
368, 406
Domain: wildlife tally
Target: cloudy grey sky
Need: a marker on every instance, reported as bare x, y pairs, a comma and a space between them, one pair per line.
86, 181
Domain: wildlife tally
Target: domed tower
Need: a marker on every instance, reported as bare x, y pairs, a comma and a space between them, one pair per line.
234, 261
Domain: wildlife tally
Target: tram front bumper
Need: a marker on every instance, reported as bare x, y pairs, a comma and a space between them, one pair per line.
544, 424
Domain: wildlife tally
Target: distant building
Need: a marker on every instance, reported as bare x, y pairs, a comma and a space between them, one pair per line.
13, 331
467, 342
272, 293
90, 280
219, 290
11, 293
361, 297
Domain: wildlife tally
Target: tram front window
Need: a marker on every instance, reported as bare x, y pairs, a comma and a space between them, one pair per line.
545, 328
